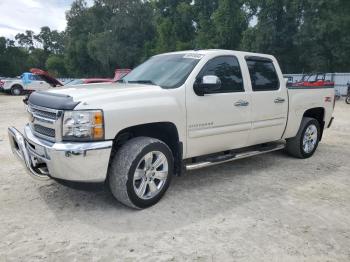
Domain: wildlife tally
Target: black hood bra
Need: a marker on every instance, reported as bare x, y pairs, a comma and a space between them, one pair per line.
52, 100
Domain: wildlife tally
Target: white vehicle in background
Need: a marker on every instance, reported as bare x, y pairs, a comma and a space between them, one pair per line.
176, 111
37, 80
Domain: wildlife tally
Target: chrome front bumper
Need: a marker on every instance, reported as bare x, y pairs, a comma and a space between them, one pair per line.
84, 162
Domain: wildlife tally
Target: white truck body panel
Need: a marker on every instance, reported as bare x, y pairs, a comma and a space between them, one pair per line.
140, 104
301, 100
184, 110
210, 123
268, 117
34, 85
37, 85
214, 124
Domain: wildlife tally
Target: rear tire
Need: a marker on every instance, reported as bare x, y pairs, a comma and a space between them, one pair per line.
135, 177
16, 90
347, 100
305, 143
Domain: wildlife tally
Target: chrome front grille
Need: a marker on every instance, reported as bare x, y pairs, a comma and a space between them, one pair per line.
45, 123
44, 130
44, 114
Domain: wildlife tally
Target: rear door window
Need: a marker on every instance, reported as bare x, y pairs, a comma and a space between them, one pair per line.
262, 74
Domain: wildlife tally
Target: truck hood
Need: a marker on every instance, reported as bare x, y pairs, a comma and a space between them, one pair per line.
48, 78
98, 95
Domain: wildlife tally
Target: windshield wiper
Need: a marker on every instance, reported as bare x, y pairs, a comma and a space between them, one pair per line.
120, 81
147, 82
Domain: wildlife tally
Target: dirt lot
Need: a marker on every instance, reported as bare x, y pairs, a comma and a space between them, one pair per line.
267, 208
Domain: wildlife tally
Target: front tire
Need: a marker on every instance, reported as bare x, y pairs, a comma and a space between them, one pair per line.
16, 90
140, 172
305, 143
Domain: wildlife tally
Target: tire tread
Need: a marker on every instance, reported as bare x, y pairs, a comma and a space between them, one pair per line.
121, 164
293, 147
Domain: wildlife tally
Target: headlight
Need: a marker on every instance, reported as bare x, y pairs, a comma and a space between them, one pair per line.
83, 125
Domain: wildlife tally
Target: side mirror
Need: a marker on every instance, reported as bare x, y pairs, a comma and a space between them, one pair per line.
207, 85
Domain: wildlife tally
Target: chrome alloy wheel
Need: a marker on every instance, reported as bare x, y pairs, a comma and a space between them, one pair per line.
310, 139
150, 175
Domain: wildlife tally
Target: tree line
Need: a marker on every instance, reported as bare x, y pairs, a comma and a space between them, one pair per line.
304, 35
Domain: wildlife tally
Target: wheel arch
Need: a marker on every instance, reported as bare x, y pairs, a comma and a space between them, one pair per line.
317, 113
166, 132
17, 84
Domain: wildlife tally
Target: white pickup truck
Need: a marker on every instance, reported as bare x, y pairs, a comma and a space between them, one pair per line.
177, 111
37, 80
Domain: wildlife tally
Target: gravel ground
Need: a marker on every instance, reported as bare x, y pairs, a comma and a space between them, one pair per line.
267, 208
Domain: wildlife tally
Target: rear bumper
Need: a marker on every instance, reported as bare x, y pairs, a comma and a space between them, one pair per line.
83, 162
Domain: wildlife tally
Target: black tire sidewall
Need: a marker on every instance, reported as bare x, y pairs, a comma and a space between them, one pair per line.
16, 87
347, 100
142, 203
310, 122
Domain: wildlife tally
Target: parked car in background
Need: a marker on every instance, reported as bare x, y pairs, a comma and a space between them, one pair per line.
289, 81
176, 111
83, 81
119, 73
36, 80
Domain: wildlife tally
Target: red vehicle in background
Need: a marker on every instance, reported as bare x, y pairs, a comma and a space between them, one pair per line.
46, 77
84, 81
315, 80
118, 74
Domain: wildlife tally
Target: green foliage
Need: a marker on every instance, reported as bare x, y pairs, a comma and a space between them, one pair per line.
276, 31
26, 40
230, 22
324, 37
304, 35
175, 27
55, 65
206, 34
109, 35
31, 51
11, 58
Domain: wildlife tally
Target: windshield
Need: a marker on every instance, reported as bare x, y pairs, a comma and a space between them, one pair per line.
167, 71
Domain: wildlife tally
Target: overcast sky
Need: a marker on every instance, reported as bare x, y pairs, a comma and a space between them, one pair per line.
16, 16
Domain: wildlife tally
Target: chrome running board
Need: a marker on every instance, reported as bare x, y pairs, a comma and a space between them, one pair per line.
235, 156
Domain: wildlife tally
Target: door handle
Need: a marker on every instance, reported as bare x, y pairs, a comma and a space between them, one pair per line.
242, 103
279, 100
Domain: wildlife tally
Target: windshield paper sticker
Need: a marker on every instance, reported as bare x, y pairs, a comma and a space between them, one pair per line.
194, 56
